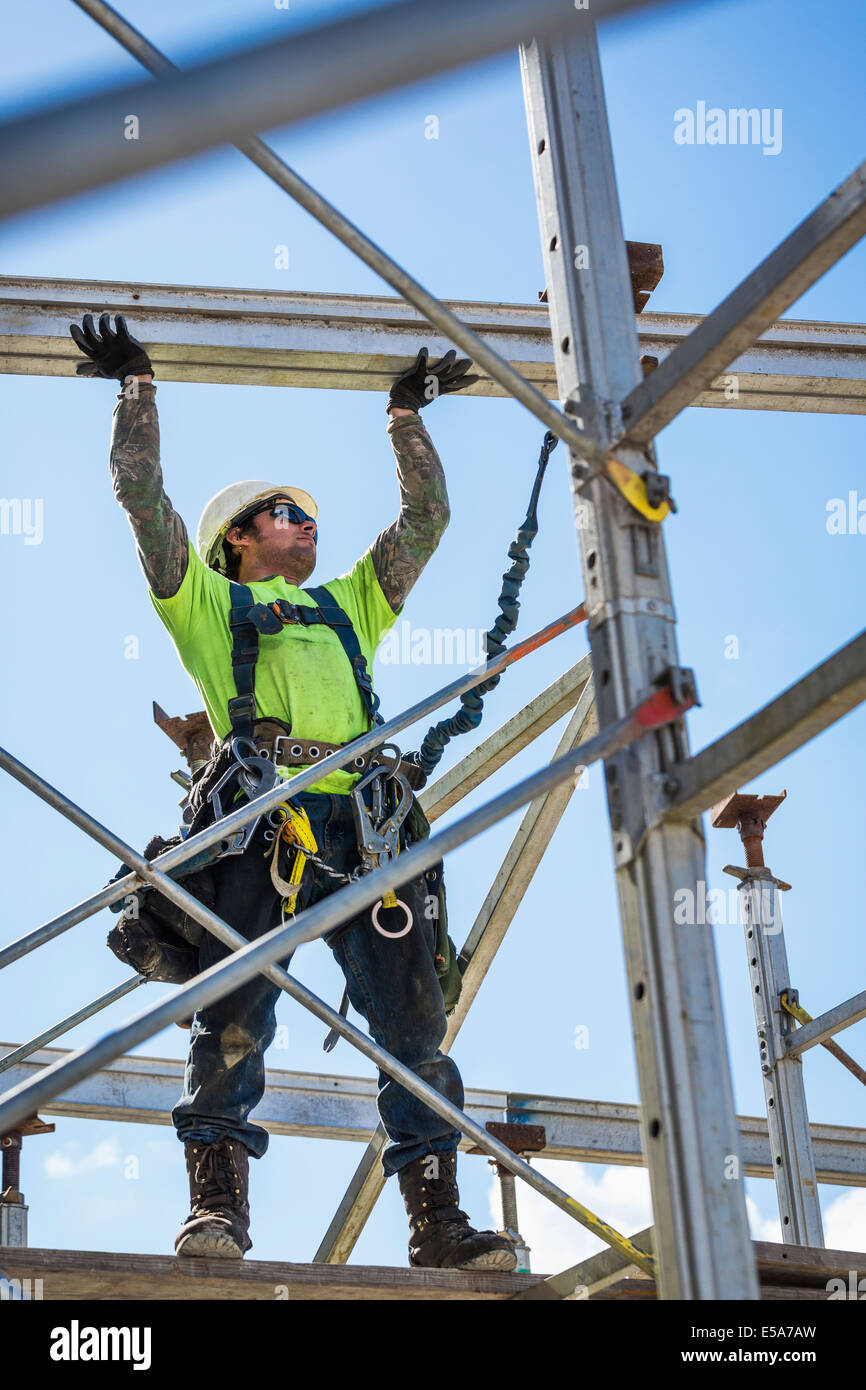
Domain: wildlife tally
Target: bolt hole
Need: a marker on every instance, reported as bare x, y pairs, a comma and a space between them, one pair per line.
590, 560
564, 344
542, 145
605, 677
786, 1220
639, 990
655, 1129
754, 960
757, 989
778, 1160
554, 242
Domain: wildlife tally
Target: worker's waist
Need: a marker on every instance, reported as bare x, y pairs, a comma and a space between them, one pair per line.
286, 750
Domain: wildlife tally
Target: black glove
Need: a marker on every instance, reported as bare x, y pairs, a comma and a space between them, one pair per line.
113, 354
423, 382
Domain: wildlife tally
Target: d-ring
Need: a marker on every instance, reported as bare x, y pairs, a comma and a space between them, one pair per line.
392, 935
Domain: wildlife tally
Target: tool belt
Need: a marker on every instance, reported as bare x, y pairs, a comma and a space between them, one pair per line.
273, 738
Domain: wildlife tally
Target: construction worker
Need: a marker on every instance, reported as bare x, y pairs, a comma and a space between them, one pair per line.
309, 697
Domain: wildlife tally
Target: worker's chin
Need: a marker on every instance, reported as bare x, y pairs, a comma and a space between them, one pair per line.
306, 563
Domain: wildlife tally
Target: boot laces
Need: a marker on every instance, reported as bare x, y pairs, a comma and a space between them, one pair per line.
214, 1172
442, 1206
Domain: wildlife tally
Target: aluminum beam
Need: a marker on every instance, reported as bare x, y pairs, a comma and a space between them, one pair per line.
359, 342
71, 1021
588, 1277
689, 1123
827, 1024
803, 257
778, 729
142, 1090
79, 145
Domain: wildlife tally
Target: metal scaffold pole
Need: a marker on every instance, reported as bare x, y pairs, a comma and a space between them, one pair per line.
784, 1088
688, 1124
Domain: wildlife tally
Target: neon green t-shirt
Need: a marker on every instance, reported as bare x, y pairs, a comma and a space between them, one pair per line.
302, 673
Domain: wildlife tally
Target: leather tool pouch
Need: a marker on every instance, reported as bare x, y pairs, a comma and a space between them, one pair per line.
154, 936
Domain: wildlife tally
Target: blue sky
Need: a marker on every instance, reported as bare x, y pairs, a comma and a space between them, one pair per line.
749, 552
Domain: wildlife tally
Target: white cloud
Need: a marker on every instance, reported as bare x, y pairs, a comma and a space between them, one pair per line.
69, 1165
763, 1227
845, 1221
618, 1195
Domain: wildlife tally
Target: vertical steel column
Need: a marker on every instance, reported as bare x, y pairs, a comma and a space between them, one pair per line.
787, 1116
508, 1194
13, 1210
688, 1123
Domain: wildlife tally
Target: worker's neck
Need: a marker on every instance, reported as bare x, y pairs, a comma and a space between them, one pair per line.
250, 574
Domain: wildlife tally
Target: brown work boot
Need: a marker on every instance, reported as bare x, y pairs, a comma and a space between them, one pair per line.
440, 1236
219, 1219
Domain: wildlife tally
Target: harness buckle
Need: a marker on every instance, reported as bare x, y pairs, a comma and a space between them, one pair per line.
243, 706
308, 616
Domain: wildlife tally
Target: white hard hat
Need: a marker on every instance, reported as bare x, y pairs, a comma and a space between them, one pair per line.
220, 513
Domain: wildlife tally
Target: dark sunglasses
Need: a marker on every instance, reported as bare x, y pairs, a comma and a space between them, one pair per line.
287, 510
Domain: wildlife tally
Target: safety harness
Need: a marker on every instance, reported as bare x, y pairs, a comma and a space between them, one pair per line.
247, 619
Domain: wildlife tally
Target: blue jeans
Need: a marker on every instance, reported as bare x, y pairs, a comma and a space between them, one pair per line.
391, 983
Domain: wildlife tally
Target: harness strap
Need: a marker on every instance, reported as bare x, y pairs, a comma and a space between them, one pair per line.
341, 624
247, 619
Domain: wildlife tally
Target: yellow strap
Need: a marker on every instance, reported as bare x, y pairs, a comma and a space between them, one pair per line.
795, 1009
296, 829
390, 899
633, 488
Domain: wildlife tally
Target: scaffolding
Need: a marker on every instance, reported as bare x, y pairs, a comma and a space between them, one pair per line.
628, 700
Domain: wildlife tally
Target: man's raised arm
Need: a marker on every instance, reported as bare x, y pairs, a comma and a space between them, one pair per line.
402, 550
160, 534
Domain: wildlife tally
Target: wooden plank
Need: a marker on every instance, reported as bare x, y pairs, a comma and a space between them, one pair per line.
787, 1272
805, 1264
104, 1276
797, 1273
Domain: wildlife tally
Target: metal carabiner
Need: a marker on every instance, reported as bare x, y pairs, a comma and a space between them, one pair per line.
254, 765
378, 830
245, 769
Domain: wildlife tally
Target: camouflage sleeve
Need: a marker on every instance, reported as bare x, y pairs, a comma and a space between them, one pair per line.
160, 534
402, 550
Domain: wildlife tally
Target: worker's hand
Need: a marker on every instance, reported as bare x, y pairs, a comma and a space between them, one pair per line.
423, 382
112, 352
